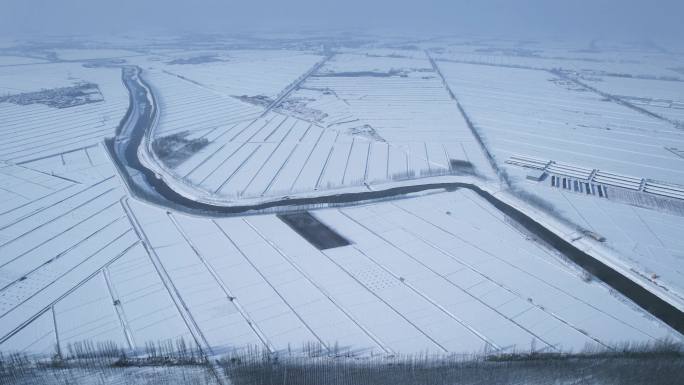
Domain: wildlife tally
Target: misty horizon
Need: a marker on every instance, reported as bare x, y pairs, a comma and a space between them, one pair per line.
657, 22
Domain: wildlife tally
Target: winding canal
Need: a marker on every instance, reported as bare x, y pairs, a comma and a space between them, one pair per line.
144, 184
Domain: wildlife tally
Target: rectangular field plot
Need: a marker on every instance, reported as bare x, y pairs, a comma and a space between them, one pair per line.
647, 240
611, 59
418, 274
19, 186
185, 106
35, 131
522, 111
662, 97
506, 291
89, 314
87, 164
357, 120
250, 73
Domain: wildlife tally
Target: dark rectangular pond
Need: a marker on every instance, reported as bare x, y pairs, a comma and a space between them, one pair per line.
317, 233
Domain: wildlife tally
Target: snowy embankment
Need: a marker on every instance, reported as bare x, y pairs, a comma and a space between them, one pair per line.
597, 250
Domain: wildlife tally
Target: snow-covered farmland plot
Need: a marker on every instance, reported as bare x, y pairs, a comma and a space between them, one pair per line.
536, 113
419, 274
399, 102
246, 73
84, 164
53, 244
662, 97
187, 107
72, 266
93, 54
21, 185
599, 59
648, 240
6, 60
358, 120
438, 256
37, 122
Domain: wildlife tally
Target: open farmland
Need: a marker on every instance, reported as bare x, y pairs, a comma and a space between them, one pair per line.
645, 239
599, 58
543, 116
357, 120
662, 97
30, 132
366, 199
415, 278
539, 114
250, 73
178, 97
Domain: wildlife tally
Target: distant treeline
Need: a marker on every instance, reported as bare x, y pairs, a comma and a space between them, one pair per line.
181, 363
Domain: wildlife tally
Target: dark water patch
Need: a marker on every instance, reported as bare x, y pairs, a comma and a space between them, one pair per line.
366, 131
359, 74
524, 52
299, 107
257, 100
99, 63
176, 148
313, 230
462, 167
196, 60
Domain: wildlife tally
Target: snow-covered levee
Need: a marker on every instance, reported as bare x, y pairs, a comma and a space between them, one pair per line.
448, 197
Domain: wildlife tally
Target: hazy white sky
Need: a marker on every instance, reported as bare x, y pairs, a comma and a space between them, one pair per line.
659, 20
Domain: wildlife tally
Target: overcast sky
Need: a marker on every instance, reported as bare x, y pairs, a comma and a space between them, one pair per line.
658, 20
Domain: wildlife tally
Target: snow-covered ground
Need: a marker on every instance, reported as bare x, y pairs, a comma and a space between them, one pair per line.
595, 58
535, 113
662, 97
250, 73
421, 274
442, 272
8, 60
360, 119
647, 240
90, 54
30, 132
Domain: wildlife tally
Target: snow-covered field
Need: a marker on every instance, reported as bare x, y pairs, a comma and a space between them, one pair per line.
662, 97
8, 60
186, 106
34, 131
647, 240
593, 58
535, 113
440, 272
90, 54
250, 73
360, 119
421, 274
